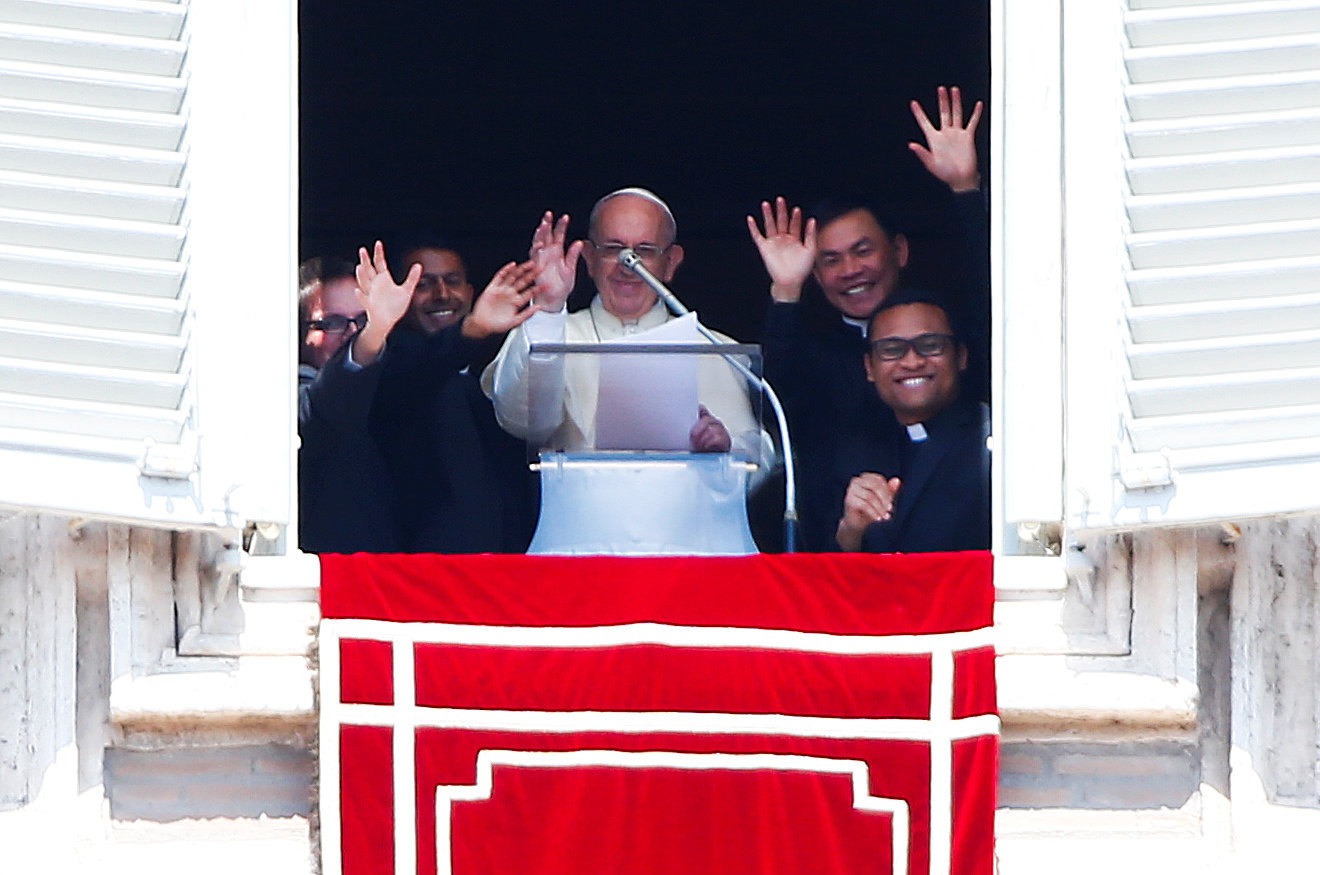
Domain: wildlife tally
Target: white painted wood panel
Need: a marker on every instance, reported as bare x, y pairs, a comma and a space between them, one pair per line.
1197, 395
146, 148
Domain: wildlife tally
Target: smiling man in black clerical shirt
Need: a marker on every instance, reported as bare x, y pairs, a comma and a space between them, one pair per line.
936, 495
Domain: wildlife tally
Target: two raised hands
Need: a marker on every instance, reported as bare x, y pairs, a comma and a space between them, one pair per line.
505, 303
788, 245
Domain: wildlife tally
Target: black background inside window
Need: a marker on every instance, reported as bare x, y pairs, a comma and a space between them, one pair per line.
475, 118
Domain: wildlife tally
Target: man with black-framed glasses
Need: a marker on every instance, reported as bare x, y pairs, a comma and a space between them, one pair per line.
931, 492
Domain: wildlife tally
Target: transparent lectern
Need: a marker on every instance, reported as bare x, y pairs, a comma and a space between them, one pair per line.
610, 427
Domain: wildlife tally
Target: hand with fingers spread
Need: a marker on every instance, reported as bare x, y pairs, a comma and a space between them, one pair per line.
385, 301
787, 249
709, 434
950, 151
557, 264
506, 302
870, 499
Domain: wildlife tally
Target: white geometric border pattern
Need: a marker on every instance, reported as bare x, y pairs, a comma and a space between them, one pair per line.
446, 795
940, 729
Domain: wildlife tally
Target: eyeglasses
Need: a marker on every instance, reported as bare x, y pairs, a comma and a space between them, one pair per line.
891, 349
336, 324
645, 251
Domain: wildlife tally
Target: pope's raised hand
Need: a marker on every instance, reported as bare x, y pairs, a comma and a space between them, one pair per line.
556, 263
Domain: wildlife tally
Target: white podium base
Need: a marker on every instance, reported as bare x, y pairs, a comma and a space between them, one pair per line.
643, 504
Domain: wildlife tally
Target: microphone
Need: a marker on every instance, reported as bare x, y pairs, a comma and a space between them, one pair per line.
629, 258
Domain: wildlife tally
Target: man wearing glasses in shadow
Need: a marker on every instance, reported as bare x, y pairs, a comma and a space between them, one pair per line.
931, 492
345, 503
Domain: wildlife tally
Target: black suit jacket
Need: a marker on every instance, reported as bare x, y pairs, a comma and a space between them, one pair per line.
346, 500
460, 482
943, 502
816, 368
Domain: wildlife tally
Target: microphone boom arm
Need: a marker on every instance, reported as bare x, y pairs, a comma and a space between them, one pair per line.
631, 260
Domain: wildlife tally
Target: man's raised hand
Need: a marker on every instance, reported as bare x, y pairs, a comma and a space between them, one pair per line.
384, 300
787, 252
505, 303
557, 265
950, 151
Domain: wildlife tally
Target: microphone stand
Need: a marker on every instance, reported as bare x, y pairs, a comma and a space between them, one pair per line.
631, 260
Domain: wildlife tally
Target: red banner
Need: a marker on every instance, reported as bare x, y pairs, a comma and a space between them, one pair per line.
763, 714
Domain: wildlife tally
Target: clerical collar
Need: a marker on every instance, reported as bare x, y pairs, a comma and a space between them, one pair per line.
607, 326
916, 432
860, 324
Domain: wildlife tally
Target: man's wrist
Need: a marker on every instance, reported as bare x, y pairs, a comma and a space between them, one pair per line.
786, 293
962, 186
847, 537
474, 330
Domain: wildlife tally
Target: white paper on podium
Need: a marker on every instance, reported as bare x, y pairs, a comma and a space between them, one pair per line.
648, 401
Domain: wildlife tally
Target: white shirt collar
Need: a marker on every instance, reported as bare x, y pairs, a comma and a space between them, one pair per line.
609, 327
860, 324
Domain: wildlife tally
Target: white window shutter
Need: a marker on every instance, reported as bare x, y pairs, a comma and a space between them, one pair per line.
147, 259
1192, 177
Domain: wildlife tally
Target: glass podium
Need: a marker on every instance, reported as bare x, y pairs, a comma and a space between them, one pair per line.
612, 438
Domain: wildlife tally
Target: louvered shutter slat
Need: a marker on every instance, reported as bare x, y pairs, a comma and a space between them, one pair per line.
1215, 60
88, 127
97, 51
143, 18
1209, 209
74, 161
1175, 23
83, 87
1231, 431
1224, 132
90, 309
1230, 282
91, 419
1215, 319
72, 382
34, 192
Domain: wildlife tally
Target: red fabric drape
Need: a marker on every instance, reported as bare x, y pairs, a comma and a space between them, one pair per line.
568, 710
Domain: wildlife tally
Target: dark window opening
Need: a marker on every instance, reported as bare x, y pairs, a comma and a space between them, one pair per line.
473, 120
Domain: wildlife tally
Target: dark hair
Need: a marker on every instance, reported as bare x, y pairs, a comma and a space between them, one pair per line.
314, 273
831, 208
904, 296
400, 251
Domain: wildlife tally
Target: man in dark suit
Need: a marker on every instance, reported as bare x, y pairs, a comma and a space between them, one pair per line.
342, 477
460, 484
932, 490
